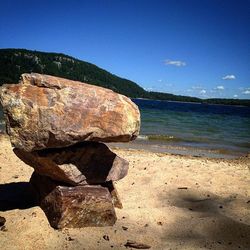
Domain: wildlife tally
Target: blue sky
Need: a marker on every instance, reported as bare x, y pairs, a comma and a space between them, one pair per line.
188, 47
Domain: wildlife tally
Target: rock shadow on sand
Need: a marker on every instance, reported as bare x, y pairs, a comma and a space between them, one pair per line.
210, 221
17, 195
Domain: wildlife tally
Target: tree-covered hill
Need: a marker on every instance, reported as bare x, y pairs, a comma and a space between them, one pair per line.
14, 62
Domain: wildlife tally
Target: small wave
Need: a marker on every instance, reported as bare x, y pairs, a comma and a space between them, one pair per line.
158, 138
142, 137
168, 138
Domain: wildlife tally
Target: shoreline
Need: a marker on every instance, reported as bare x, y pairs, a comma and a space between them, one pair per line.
149, 146
168, 149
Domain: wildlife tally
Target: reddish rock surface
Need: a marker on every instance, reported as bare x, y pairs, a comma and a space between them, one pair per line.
48, 112
75, 207
80, 164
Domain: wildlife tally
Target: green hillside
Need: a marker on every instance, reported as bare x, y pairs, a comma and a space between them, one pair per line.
14, 62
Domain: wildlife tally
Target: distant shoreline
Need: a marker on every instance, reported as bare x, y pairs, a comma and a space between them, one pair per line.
147, 99
199, 103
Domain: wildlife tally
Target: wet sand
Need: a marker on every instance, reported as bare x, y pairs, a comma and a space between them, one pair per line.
169, 202
157, 146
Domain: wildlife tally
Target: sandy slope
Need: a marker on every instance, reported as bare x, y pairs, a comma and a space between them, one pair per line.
212, 213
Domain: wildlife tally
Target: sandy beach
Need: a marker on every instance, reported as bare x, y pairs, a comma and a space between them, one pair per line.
169, 202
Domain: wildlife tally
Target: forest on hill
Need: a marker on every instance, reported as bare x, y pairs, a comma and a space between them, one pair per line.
14, 62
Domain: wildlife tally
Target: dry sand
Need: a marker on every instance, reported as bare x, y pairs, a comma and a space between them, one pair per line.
213, 212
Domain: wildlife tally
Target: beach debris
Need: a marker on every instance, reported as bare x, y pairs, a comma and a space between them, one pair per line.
2, 221
58, 126
124, 228
83, 163
183, 188
45, 111
34, 214
134, 244
69, 238
106, 237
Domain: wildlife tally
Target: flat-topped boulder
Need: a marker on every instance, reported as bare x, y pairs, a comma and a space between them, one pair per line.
49, 112
81, 164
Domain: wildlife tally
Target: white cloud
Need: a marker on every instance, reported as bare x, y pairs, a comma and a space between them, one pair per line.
203, 92
219, 87
229, 77
176, 63
235, 96
159, 80
245, 91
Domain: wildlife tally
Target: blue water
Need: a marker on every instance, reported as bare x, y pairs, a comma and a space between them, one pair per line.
213, 127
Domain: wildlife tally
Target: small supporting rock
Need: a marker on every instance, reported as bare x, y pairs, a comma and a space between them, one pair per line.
74, 207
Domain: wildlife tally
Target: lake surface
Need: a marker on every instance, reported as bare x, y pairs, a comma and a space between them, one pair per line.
171, 126
225, 129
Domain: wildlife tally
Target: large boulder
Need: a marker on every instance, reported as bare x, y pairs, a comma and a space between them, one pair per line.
48, 112
80, 164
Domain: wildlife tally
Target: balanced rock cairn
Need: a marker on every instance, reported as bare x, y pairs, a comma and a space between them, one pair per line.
57, 126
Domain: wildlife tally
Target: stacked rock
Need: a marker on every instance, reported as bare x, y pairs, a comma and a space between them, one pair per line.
58, 126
